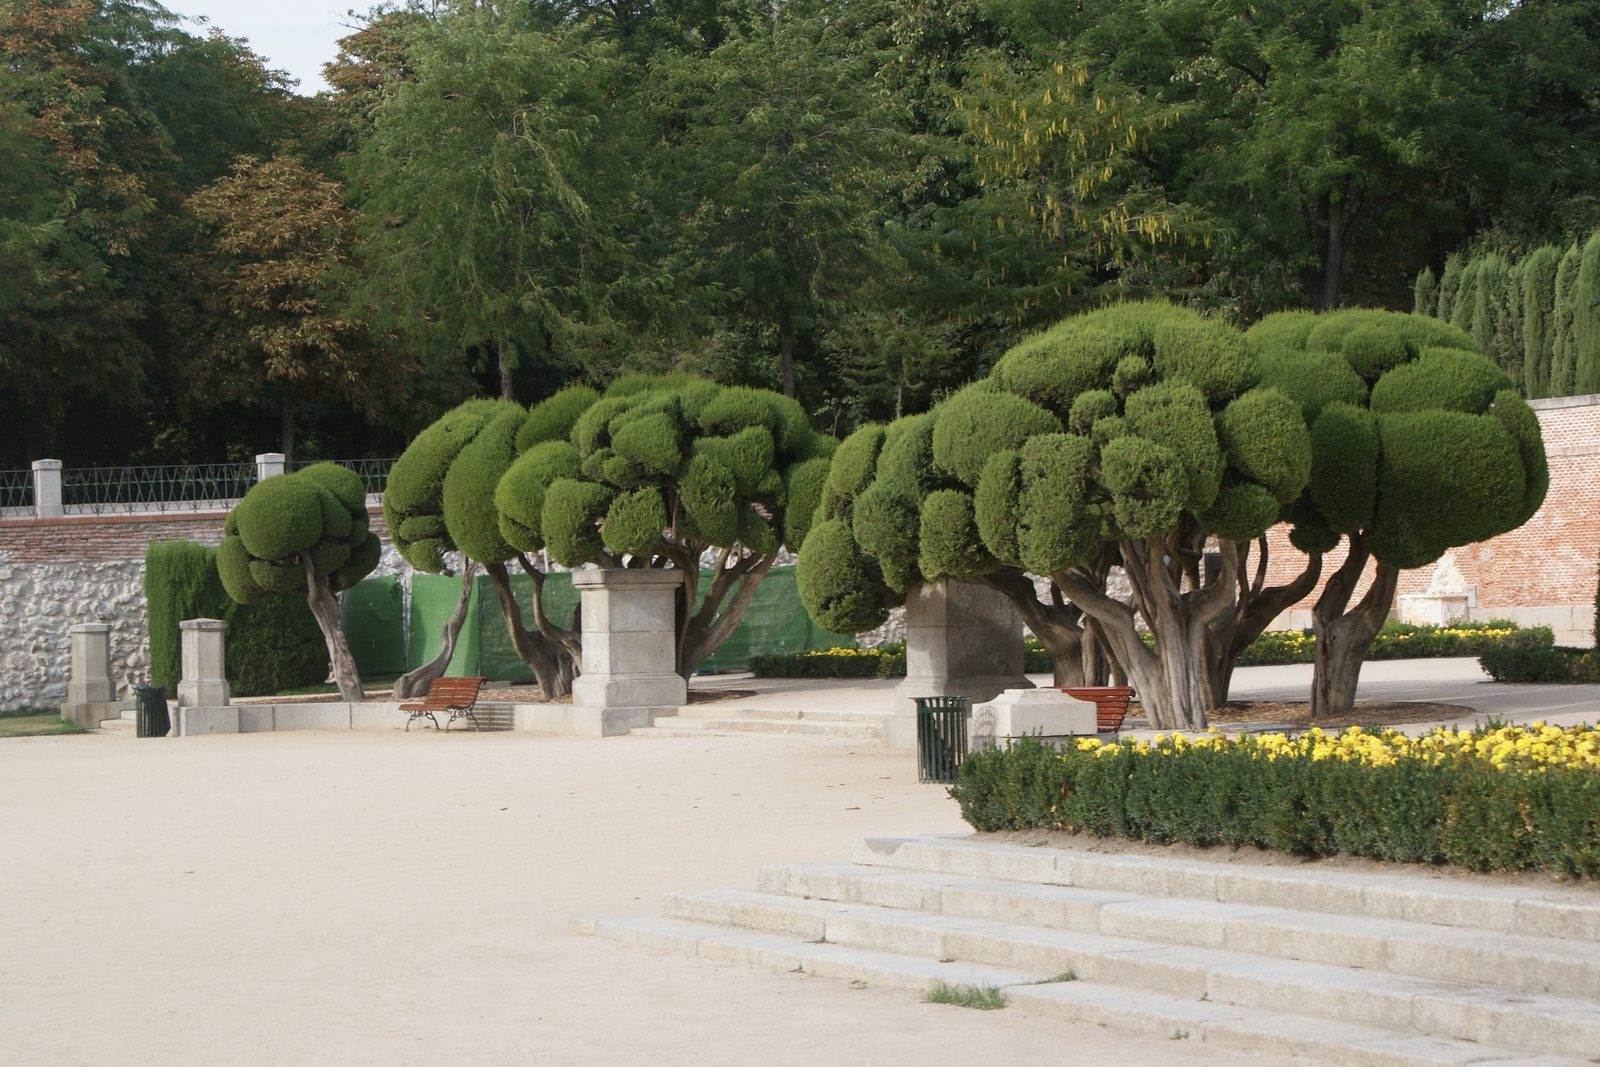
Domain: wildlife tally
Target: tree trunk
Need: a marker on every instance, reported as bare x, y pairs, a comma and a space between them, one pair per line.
286, 424
507, 364
786, 351
325, 609
551, 665
1252, 612
705, 631
1343, 638
1058, 626
1171, 680
414, 683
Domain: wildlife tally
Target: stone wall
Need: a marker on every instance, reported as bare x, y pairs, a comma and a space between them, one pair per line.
58, 572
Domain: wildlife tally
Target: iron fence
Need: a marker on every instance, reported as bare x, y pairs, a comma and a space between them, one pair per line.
16, 491
374, 472
185, 487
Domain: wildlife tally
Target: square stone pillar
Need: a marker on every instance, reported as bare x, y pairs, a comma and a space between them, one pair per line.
269, 464
47, 489
629, 673
205, 681
91, 691
962, 639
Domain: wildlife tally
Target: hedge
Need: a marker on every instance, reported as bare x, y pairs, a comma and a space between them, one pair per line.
1458, 810
884, 661
1541, 665
1398, 640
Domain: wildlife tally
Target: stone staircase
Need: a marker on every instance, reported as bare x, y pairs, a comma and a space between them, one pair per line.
127, 725
1362, 968
709, 718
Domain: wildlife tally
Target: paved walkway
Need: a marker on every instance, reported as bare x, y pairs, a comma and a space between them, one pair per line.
391, 899
1437, 681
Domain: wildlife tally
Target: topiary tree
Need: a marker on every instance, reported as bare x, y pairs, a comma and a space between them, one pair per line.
303, 533
1128, 436
659, 472
1427, 447
413, 510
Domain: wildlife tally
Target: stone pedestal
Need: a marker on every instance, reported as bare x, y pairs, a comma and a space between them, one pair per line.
1048, 714
205, 682
47, 489
91, 691
629, 650
962, 639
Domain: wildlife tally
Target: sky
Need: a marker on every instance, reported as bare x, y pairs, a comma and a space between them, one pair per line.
294, 35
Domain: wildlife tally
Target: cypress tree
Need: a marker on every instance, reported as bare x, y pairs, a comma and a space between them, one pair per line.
1508, 326
1561, 357
1586, 320
1487, 294
1426, 293
1448, 286
1466, 298
1538, 304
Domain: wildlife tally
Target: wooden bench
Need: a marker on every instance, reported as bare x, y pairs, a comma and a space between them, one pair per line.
457, 696
1110, 703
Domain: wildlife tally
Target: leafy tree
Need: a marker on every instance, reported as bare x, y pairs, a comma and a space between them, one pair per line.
662, 472
494, 185
1418, 444
1127, 437
303, 533
780, 151
265, 308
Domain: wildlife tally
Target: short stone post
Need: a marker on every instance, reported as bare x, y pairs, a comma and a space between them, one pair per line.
270, 463
962, 639
91, 691
205, 681
47, 489
629, 673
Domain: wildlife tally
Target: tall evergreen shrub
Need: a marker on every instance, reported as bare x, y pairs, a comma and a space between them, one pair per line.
1562, 363
1448, 284
1586, 320
1425, 294
180, 582
1538, 309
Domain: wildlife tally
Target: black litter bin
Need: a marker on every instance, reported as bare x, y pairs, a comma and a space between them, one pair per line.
941, 737
152, 716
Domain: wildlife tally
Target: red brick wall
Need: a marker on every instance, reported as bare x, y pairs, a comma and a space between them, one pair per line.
1548, 562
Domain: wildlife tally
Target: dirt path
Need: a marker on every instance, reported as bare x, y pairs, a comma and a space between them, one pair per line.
315, 899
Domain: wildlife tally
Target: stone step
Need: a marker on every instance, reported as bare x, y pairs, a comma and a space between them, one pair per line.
1220, 1025
1518, 962
713, 711
1503, 908
1418, 1006
119, 726
767, 726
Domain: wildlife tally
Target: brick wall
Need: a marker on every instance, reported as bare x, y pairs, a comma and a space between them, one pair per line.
1542, 573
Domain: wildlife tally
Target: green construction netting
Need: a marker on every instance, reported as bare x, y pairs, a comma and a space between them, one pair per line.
774, 622
370, 615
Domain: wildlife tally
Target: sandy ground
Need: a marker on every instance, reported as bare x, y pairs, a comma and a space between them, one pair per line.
395, 899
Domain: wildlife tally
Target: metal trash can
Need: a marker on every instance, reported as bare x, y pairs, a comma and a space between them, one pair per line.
941, 737
153, 720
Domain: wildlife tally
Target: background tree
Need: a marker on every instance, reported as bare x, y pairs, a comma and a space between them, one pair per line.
1125, 436
303, 533
1418, 444
664, 472
265, 306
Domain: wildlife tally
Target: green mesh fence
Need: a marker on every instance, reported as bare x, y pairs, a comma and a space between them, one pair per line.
433, 600
774, 622
370, 615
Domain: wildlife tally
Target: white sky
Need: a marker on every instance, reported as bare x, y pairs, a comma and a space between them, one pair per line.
294, 35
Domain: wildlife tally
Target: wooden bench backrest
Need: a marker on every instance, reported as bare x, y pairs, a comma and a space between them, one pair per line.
453, 692
1110, 703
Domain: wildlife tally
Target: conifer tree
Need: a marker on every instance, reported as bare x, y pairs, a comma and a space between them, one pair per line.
1466, 298
1425, 293
1538, 307
1448, 284
1562, 356
1586, 320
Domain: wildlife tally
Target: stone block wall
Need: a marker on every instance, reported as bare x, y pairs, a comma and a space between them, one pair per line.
57, 572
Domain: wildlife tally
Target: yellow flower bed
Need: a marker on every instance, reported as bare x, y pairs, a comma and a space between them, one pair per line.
1535, 747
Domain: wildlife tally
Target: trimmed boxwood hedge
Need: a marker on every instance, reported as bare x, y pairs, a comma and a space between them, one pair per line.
1541, 665
1461, 811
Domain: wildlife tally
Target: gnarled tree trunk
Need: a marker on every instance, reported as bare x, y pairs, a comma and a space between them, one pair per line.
551, 664
702, 630
1343, 637
325, 609
1080, 654
414, 683
1252, 612
1176, 601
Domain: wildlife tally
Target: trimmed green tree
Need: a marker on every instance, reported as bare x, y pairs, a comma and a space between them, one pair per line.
306, 533
1440, 452
664, 472
413, 509
1128, 436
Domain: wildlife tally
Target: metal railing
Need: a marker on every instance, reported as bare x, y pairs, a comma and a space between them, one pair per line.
374, 472
16, 492
185, 487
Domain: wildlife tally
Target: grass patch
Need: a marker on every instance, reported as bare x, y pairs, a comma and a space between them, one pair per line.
1068, 975
28, 712
981, 997
36, 723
